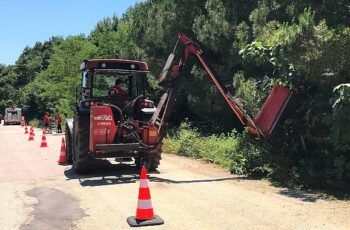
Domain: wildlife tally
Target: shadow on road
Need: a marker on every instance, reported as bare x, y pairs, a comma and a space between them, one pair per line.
170, 181
314, 195
57, 134
106, 173
303, 196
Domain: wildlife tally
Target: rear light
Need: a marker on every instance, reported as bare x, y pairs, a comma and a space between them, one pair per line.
90, 103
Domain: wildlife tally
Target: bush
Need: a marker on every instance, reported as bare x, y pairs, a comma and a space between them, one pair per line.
313, 150
217, 149
36, 123
338, 174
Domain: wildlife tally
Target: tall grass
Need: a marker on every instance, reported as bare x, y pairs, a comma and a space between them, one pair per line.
36, 123
217, 149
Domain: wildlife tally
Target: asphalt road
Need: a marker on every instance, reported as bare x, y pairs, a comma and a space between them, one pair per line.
37, 193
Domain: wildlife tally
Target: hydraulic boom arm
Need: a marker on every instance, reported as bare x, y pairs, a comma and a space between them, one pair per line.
171, 77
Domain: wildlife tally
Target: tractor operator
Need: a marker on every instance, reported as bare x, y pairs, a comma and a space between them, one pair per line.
118, 90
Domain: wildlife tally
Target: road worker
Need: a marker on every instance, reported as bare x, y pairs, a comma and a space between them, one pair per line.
59, 122
46, 121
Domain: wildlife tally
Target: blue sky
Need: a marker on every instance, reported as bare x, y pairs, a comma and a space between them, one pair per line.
24, 22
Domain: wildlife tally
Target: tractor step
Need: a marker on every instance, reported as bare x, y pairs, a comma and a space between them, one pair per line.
117, 147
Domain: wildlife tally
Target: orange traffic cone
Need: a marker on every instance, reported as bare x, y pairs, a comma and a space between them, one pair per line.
43, 141
144, 212
32, 130
25, 129
31, 136
63, 158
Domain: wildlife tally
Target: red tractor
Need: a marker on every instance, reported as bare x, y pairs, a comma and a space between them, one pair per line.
112, 116
115, 120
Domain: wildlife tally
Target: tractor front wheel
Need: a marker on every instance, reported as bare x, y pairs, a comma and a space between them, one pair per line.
68, 145
81, 158
150, 161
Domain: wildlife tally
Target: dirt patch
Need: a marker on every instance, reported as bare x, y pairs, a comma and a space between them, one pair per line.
54, 210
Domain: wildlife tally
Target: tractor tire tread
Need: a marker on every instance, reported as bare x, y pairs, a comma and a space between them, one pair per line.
68, 137
82, 161
155, 161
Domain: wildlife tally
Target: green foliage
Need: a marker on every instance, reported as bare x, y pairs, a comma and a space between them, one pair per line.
255, 154
310, 151
112, 40
34, 60
247, 91
36, 123
259, 17
217, 149
54, 89
7, 87
212, 28
340, 130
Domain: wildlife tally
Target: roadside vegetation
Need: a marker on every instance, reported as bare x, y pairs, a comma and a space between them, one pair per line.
219, 149
253, 45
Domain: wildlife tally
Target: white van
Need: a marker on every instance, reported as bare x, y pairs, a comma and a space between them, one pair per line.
12, 116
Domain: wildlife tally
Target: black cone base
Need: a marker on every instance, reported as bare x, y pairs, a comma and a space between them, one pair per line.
139, 223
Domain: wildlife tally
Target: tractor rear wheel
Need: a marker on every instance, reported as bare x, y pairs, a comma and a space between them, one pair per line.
155, 160
81, 158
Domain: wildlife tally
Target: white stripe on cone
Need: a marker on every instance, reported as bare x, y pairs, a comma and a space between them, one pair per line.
143, 183
144, 204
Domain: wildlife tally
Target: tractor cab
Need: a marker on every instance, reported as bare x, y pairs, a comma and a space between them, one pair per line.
118, 82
